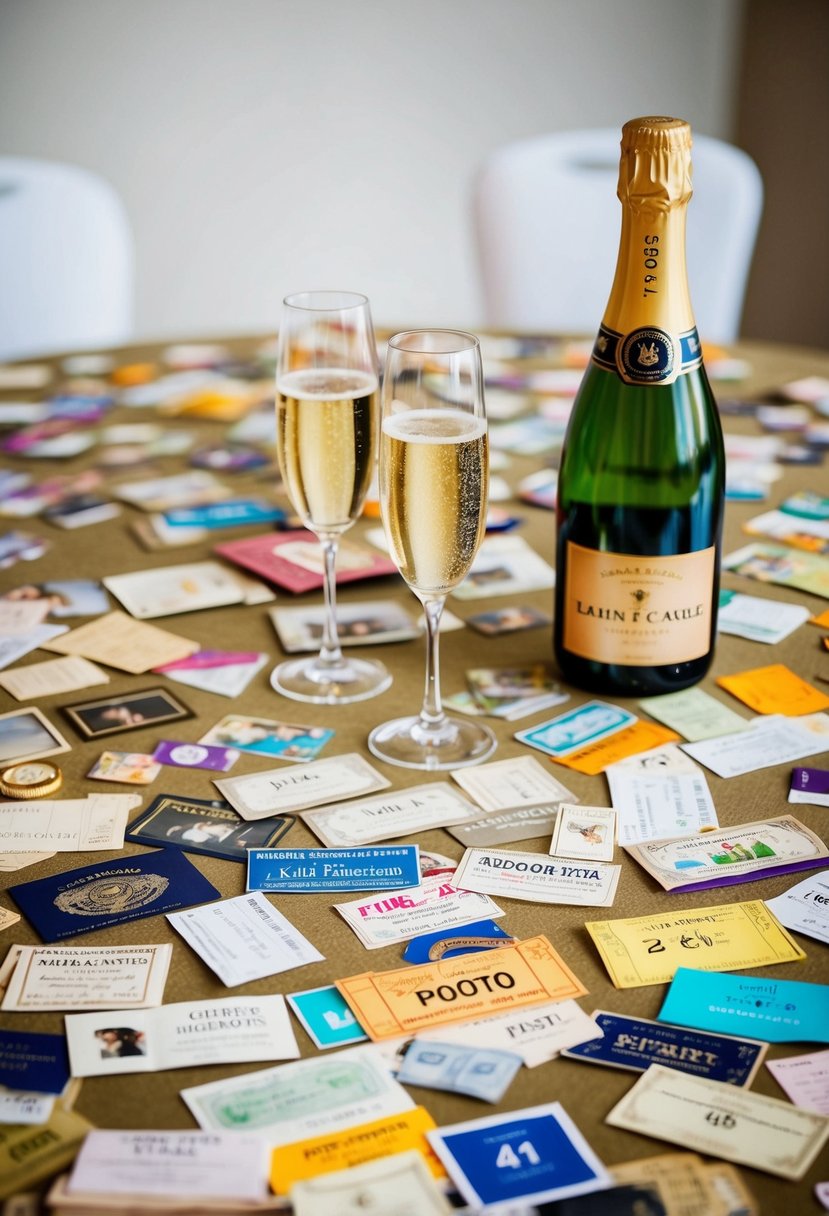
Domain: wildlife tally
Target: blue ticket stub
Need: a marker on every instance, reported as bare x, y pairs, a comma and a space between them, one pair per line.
33, 1062
779, 1011
232, 512
449, 943
109, 892
578, 728
635, 1043
379, 868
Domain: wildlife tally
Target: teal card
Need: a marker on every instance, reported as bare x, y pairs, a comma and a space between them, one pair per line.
778, 1011
326, 1017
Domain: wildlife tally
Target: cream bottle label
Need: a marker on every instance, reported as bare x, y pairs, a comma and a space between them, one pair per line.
638, 611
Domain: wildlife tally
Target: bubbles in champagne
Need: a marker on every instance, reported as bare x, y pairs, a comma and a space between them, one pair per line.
326, 443
433, 493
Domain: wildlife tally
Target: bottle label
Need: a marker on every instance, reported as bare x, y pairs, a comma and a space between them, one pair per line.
638, 611
648, 355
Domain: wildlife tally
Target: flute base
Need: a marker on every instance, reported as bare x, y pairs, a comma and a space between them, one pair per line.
452, 743
327, 684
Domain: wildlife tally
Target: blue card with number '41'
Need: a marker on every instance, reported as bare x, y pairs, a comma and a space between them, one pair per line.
529, 1155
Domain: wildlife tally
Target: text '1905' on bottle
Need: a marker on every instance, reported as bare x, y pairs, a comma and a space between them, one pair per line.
641, 482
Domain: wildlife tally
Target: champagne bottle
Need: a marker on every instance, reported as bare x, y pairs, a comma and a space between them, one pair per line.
641, 482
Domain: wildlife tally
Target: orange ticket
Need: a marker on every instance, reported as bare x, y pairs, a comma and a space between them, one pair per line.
292, 1163
822, 620
408, 999
640, 737
775, 690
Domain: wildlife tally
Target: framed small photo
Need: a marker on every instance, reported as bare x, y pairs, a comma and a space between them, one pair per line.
112, 714
198, 826
26, 734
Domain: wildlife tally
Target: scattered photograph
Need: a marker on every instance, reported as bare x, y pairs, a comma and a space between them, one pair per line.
199, 826
263, 737
27, 734
65, 597
130, 711
360, 624
508, 620
117, 1042
128, 768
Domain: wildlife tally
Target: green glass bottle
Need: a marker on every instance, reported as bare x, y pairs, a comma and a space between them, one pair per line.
641, 482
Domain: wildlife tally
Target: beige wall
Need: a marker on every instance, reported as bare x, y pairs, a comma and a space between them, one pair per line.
263, 146
783, 114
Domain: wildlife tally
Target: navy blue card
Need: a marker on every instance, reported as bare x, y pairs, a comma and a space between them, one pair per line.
36, 1062
635, 1043
626, 1200
450, 943
111, 892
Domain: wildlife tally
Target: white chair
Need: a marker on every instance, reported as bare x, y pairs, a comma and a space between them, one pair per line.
547, 223
66, 260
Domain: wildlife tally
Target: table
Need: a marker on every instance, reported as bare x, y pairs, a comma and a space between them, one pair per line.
586, 1093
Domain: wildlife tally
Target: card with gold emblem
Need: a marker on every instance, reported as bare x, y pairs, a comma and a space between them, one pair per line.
409, 999
644, 950
714, 1117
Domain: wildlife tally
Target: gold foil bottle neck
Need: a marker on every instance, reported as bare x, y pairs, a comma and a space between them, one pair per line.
655, 168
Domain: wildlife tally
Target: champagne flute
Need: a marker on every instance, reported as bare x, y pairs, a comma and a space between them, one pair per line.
327, 389
434, 471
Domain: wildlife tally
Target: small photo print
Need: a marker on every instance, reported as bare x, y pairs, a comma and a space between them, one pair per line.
129, 768
118, 1042
199, 826
372, 622
66, 597
263, 737
508, 620
113, 714
27, 734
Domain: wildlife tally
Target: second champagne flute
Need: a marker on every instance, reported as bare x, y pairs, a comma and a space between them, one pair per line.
434, 473
327, 391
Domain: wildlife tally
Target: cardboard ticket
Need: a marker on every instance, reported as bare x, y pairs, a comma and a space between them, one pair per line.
716, 1118
354, 1145
408, 999
640, 737
775, 689
29, 1154
728, 937
689, 1185
534, 877
395, 916
779, 1011
393, 1185
769, 741
87, 977
282, 791
363, 821
694, 713
805, 1079
732, 855
508, 784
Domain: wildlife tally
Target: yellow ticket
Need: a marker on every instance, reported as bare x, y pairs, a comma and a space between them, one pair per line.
341, 1150
775, 690
640, 737
409, 999
728, 937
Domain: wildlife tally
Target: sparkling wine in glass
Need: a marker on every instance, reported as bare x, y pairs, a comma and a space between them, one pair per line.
327, 390
434, 472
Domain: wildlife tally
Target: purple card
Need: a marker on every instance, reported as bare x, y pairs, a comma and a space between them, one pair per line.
195, 755
810, 785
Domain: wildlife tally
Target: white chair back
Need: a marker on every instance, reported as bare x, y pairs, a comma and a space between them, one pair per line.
66, 260
547, 223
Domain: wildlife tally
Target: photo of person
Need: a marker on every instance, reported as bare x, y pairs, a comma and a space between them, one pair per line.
110, 715
117, 1042
198, 826
264, 737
